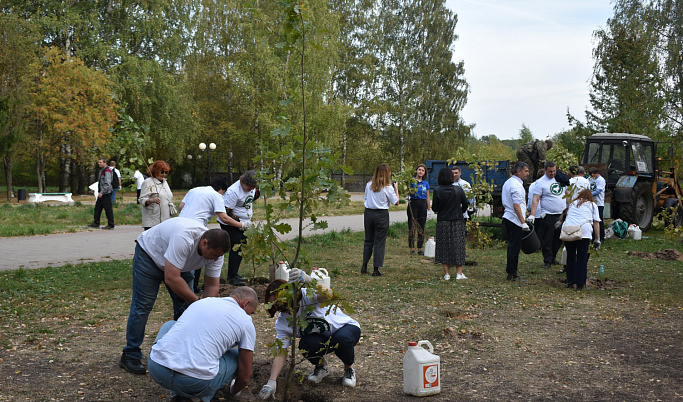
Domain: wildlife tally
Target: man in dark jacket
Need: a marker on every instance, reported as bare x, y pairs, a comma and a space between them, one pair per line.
104, 196
533, 154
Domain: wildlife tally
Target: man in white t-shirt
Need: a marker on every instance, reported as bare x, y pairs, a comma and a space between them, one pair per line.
209, 346
201, 204
530, 198
465, 186
550, 194
139, 179
168, 253
514, 198
238, 205
597, 187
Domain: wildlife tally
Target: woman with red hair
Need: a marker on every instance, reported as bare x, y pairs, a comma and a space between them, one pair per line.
156, 196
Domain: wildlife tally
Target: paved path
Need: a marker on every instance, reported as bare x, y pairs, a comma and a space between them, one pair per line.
106, 245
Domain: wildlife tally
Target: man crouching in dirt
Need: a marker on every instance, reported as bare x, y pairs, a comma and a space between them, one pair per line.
329, 330
170, 252
194, 357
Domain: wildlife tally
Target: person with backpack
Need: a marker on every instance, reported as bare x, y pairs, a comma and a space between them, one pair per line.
103, 196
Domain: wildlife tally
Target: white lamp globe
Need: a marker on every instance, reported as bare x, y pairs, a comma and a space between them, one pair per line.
212, 146
202, 146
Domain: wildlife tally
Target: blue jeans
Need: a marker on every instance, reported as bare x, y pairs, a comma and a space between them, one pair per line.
342, 343
186, 386
113, 195
146, 280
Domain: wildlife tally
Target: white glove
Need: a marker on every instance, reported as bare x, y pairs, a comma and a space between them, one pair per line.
297, 275
531, 219
525, 227
268, 390
231, 393
245, 225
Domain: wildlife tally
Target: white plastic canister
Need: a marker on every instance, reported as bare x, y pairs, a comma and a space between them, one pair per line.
282, 271
321, 275
430, 248
421, 370
637, 234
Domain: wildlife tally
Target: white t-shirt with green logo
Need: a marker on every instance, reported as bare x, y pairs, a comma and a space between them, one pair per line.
551, 193
239, 201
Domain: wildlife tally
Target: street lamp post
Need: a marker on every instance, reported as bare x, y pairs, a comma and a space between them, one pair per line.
212, 147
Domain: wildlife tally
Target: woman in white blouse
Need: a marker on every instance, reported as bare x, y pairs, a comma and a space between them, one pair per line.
379, 194
155, 196
582, 211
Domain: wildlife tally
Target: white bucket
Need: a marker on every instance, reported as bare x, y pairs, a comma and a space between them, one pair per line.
321, 275
421, 370
282, 271
430, 248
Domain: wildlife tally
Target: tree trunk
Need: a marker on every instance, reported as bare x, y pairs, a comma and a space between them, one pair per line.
343, 175
64, 167
7, 163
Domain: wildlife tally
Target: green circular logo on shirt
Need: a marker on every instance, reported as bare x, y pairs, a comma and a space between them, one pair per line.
555, 189
593, 186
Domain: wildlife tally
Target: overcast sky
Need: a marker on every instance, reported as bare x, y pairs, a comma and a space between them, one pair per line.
526, 61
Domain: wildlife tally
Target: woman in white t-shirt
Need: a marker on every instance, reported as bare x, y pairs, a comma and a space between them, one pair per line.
379, 194
582, 211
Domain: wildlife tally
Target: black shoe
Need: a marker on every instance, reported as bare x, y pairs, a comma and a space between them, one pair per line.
570, 286
179, 398
561, 271
132, 365
518, 279
377, 273
363, 270
510, 277
420, 252
237, 281
108, 227
412, 251
555, 262
546, 265
94, 225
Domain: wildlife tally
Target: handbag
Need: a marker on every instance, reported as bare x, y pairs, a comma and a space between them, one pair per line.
571, 233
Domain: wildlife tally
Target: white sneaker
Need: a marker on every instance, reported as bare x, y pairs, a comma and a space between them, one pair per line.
318, 374
460, 276
349, 379
446, 277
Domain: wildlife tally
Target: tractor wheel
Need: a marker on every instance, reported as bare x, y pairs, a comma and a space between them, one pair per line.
640, 211
678, 217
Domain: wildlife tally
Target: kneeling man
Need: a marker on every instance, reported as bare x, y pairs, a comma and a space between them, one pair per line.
211, 345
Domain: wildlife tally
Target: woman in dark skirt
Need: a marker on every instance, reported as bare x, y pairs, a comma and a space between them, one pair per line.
449, 204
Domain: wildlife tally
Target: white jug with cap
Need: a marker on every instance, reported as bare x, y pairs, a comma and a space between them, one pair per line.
430, 248
282, 271
421, 370
321, 275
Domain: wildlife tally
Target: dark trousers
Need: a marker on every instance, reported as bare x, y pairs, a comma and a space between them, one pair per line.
550, 237
601, 211
577, 262
376, 223
104, 202
342, 343
515, 235
138, 192
417, 213
234, 257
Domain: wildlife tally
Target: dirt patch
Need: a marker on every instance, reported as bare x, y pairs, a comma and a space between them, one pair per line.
666, 255
593, 283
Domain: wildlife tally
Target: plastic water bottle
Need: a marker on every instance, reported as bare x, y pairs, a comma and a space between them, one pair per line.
602, 269
430, 248
421, 370
282, 271
321, 275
